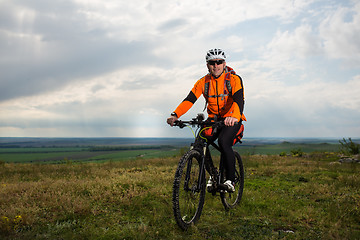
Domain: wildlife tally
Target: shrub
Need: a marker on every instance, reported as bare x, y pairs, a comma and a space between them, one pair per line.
282, 154
297, 152
349, 147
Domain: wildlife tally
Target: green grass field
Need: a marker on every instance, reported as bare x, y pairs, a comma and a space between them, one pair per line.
309, 197
82, 154
121, 153
287, 147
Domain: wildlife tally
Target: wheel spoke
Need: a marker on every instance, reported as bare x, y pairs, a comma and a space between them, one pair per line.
188, 199
230, 200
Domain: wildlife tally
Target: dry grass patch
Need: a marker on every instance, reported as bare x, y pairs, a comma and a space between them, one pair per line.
284, 198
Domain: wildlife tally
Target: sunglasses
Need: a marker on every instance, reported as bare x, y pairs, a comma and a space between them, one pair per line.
218, 62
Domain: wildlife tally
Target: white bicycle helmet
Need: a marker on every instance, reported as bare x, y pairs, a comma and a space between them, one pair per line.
215, 53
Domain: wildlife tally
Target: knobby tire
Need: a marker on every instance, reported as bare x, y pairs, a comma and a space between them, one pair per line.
188, 199
230, 200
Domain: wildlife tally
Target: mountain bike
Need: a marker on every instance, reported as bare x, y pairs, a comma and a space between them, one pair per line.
190, 183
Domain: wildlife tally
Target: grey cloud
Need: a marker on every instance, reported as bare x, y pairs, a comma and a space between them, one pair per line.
173, 24
95, 113
68, 122
71, 51
97, 87
294, 120
27, 76
150, 82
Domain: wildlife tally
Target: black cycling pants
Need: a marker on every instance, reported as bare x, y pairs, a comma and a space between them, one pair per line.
225, 141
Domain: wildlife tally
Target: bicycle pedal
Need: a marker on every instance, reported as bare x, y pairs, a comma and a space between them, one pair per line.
222, 188
210, 189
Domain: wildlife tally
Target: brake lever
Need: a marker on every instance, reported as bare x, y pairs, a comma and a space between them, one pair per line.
179, 124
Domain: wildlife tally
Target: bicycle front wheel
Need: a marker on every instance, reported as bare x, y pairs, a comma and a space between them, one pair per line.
230, 200
188, 193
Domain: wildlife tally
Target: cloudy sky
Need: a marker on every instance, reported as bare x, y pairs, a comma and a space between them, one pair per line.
118, 68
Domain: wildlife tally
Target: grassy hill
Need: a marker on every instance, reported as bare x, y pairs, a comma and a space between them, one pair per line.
312, 197
42, 150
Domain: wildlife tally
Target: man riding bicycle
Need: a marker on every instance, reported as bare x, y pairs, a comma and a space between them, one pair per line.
224, 94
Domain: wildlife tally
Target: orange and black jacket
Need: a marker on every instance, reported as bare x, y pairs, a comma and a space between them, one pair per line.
220, 102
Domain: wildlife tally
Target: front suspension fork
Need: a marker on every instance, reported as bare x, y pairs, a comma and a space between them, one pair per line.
202, 168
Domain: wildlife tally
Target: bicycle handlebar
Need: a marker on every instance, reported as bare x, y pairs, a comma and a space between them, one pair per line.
199, 121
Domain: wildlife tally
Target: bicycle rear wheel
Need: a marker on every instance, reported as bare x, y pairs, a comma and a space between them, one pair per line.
230, 200
188, 195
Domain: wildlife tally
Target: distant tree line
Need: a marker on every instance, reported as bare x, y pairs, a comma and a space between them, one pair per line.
123, 148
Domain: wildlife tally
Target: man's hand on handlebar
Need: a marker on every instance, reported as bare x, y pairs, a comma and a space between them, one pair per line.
230, 121
171, 120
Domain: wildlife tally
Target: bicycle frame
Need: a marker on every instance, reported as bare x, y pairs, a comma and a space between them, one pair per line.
202, 147
189, 186
201, 144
